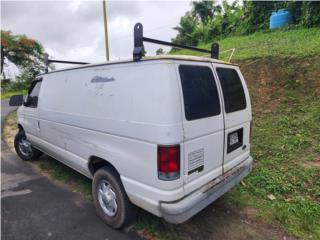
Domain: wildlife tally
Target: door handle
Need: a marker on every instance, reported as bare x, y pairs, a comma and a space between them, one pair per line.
38, 124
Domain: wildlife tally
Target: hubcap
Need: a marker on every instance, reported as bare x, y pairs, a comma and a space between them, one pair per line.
25, 146
107, 198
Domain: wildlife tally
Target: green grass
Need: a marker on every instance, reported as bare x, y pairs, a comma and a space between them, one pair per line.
283, 141
6, 95
283, 43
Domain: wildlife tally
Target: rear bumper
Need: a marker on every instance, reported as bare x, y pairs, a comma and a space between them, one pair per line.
183, 209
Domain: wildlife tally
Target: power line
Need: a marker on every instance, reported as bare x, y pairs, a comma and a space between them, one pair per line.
149, 30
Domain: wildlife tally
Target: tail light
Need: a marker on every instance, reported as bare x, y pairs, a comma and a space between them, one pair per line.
169, 162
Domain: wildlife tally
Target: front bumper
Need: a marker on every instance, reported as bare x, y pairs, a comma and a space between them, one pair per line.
183, 209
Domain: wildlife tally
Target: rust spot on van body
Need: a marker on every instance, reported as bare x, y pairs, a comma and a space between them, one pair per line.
99, 79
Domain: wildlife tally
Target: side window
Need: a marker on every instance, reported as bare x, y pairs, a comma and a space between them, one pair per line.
233, 93
200, 93
32, 98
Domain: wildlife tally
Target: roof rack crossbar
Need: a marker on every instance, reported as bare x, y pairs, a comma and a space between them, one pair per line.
139, 39
48, 61
67, 62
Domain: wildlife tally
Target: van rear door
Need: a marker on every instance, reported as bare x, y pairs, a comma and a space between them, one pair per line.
237, 115
203, 127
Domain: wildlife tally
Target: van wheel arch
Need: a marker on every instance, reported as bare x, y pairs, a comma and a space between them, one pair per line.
95, 163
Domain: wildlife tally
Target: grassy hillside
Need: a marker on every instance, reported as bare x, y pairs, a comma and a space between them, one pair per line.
285, 93
292, 43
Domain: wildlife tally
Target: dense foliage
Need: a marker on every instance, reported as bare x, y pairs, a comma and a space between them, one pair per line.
208, 21
25, 53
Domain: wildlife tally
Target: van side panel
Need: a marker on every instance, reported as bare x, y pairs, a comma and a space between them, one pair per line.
119, 113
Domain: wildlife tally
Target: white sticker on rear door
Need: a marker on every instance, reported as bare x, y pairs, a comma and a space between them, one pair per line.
195, 161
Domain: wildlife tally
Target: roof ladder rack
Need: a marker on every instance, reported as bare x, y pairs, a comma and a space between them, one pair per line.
48, 61
139, 39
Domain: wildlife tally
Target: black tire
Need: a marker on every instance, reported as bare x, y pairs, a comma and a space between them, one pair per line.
32, 155
125, 212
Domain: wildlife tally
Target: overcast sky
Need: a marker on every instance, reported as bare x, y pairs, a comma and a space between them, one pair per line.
74, 30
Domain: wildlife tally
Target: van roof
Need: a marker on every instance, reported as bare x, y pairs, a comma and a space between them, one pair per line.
148, 58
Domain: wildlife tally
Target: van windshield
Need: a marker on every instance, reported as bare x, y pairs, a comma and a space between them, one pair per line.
200, 92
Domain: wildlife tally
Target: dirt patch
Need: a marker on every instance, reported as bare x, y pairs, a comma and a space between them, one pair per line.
267, 78
309, 164
248, 212
219, 221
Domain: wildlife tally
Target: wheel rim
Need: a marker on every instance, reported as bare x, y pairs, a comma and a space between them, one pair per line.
25, 146
107, 198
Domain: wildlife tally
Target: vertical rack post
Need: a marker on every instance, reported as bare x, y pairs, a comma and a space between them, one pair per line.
46, 62
138, 41
215, 50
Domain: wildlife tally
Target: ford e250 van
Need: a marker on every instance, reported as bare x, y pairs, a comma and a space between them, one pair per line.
168, 134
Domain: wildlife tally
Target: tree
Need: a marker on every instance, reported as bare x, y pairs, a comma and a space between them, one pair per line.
197, 25
208, 21
203, 9
27, 54
160, 51
187, 25
206, 9
307, 13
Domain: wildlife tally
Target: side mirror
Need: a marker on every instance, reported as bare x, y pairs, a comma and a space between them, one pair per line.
16, 100
31, 101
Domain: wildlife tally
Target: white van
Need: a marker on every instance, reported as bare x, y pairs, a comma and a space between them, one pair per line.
169, 134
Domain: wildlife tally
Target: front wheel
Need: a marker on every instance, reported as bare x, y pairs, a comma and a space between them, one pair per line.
110, 199
24, 148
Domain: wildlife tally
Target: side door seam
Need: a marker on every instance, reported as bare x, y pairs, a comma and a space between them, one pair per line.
223, 114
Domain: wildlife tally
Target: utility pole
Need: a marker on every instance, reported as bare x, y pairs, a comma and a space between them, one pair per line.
105, 28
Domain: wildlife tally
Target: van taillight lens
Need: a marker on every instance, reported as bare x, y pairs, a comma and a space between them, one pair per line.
169, 162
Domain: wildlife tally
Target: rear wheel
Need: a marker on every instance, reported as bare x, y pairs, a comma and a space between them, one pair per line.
24, 148
110, 199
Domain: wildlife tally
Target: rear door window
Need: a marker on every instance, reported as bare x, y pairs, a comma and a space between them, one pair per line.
233, 92
200, 94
